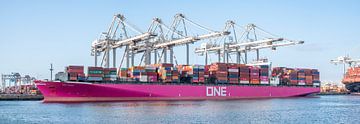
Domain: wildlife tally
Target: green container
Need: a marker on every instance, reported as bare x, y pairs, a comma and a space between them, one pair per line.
95, 72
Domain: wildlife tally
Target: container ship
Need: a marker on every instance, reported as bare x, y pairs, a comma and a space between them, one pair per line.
164, 80
182, 82
352, 79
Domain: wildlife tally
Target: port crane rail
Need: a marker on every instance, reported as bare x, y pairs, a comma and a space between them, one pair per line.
245, 43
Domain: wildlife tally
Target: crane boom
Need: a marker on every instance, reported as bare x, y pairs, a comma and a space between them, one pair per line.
137, 38
270, 46
216, 48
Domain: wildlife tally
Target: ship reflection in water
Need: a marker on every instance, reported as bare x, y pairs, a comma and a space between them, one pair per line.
324, 109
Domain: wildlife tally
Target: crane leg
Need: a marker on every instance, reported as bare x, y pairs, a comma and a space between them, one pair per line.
127, 57
257, 55
171, 55
165, 55
206, 58
95, 55
246, 57
155, 56
187, 54
114, 58
132, 57
238, 57
219, 56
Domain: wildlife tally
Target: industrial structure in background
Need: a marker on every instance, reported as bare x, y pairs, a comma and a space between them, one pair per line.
351, 77
333, 88
233, 39
14, 83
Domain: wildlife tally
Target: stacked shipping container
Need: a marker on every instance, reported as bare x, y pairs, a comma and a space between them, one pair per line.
300, 76
244, 74
264, 74
165, 72
214, 73
289, 76
254, 75
110, 74
315, 76
233, 73
135, 72
123, 74
185, 73
150, 74
75, 73
198, 73
219, 72
95, 74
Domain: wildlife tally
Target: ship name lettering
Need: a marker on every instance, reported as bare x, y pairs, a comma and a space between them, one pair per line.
215, 91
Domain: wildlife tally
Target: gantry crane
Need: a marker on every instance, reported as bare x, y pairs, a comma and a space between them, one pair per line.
346, 60
168, 39
154, 39
110, 40
248, 41
159, 36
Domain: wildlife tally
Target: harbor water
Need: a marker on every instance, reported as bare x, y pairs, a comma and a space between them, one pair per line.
317, 109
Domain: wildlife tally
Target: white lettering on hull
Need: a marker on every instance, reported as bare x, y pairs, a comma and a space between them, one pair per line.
216, 91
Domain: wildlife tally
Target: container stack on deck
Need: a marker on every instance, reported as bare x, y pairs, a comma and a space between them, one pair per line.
244, 74
219, 72
136, 72
198, 73
289, 76
233, 73
95, 74
150, 74
206, 73
300, 76
165, 72
123, 74
110, 74
75, 73
292, 76
254, 75
264, 74
308, 77
215, 73
175, 75
184, 73
315, 76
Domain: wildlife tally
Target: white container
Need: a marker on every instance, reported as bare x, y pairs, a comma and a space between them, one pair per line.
233, 70
244, 82
301, 83
264, 82
144, 78
316, 84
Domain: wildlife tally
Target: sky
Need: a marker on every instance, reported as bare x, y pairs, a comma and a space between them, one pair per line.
39, 32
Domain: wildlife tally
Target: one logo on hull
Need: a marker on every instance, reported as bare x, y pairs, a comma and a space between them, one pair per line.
215, 91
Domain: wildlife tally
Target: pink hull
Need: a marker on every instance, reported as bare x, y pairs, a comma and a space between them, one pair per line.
87, 92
